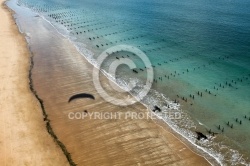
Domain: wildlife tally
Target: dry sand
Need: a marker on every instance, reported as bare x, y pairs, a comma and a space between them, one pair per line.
23, 136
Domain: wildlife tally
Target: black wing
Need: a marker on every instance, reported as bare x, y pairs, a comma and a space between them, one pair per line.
81, 95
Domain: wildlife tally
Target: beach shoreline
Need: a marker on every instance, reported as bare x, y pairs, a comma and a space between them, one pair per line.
23, 137
181, 146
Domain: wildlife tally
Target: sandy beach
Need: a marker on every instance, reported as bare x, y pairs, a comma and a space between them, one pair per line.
24, 139
100, 141
60, 73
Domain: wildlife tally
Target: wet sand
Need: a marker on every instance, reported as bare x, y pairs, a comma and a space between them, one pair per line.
60, 72
24, 139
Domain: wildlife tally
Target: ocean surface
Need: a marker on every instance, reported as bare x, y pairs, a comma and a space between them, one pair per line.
199, 50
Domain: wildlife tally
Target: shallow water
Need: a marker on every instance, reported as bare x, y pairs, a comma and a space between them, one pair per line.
195, 46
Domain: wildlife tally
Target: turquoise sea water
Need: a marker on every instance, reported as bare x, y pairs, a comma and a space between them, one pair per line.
197, 47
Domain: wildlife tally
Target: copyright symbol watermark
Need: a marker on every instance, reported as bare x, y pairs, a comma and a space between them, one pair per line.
112, 70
